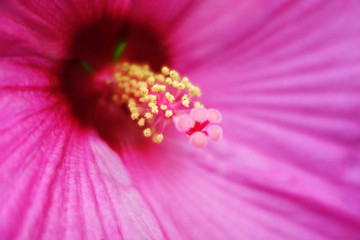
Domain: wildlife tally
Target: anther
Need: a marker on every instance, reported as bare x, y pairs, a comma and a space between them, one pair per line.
147, 132
158, 138
169, 97
141, 122
168, 113
145, 93
165, 71
148, 115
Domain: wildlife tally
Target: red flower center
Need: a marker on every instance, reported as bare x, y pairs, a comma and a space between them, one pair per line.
108, 97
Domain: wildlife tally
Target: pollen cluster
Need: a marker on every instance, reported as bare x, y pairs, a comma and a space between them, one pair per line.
153, 99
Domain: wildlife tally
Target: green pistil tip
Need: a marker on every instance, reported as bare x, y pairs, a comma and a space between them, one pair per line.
86, 66
119, 51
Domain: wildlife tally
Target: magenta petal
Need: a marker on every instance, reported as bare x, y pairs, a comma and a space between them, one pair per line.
285, 76
237, 193
30, 27
59, 184
288, 89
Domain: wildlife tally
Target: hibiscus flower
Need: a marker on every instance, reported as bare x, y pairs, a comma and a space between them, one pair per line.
284, 75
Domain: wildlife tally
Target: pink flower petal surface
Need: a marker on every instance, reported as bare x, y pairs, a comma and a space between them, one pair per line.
285, 76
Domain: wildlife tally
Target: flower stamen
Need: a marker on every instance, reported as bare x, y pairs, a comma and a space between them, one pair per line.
155, 100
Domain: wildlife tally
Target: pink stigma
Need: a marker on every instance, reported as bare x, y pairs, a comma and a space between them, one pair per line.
198, 125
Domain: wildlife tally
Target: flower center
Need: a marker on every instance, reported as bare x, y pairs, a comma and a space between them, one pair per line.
155, 100
127, 103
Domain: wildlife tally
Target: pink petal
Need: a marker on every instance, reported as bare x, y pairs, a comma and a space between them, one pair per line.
287, 167
59, 184
30, 27
287, 83
56, 181
227, 192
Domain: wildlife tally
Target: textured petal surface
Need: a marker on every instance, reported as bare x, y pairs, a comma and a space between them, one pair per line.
286, 78
284, 75
55, 181
44, 28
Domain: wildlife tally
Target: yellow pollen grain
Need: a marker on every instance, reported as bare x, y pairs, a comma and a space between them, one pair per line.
155, 88
141, 122
190, 87
163, 107
160, 78
168, 113
155, 110
175, 84
135, 115
117, 76
174, 75
181, 86
137, 94
197, 92
152, 98
198, 104
147, 98
131, 101
151, 104
125, 66
133, 109
185, 100
142, 84
158, 88
125, 78
144, 91
165, 71
162, 88
168, 81
133, 82
158, 138
151, 80
148, 115
185, 80
169, 97
185, 103
147, 132
146, 67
